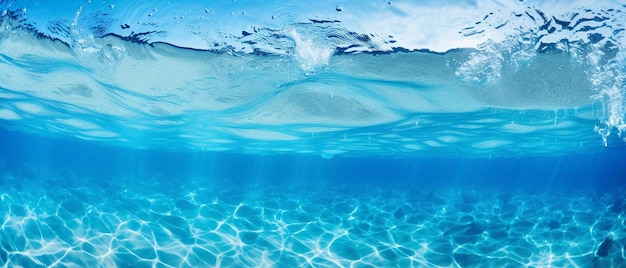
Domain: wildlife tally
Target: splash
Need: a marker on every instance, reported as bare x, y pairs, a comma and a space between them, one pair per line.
614, 111
593, 40
311, 55
277, 79
609, 79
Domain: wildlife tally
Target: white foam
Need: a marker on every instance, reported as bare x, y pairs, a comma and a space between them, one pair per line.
482, 68
310, 54
610, 81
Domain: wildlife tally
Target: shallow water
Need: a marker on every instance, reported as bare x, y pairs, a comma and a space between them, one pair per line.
382, 134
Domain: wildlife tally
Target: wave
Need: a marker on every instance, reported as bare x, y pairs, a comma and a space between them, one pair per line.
477, 78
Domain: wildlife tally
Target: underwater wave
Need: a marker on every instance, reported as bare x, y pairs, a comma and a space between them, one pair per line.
387, 78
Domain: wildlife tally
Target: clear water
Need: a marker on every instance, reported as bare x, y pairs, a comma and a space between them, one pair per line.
326, 134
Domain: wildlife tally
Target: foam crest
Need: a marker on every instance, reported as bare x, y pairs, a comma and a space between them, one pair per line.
310, 54
483, 67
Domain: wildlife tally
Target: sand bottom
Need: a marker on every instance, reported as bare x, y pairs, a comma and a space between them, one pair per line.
70, 222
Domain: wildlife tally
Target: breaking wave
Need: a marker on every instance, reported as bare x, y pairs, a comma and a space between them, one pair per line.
389, 78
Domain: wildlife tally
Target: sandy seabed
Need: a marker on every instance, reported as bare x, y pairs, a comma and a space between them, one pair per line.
66, 221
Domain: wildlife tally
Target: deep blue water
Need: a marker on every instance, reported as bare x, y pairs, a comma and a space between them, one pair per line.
291, 134
601, 171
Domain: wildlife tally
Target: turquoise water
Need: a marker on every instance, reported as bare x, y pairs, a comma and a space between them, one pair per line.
327, 134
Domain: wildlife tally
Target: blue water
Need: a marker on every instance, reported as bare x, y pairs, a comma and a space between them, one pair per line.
328, 134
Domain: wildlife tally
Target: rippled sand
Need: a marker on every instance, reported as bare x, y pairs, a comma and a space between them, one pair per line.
67, 221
